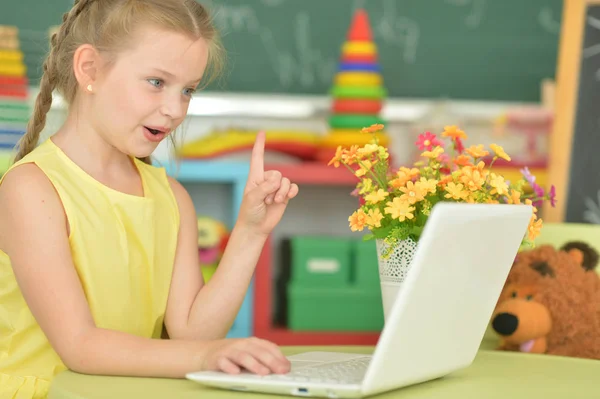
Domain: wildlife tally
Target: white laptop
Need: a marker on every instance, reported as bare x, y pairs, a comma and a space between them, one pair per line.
437, 322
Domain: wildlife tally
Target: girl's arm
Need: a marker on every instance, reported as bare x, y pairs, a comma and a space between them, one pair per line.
34, 234
197, 310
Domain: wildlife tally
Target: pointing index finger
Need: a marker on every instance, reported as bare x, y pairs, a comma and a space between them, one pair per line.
257, 161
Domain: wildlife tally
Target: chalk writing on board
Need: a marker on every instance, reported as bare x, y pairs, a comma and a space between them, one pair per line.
476, 11
302, 62
273, 3
548, 21
309, 67
594, 49
395, 29
592, 212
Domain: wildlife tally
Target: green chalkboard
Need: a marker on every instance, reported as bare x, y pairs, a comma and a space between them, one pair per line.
463, 49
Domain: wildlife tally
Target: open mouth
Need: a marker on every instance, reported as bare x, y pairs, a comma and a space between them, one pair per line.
153, 131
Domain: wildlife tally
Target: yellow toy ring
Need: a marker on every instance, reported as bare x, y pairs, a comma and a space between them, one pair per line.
358, 79
356, 47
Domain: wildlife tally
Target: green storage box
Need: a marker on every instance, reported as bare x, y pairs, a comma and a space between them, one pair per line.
321, 260
365, 264
334, 309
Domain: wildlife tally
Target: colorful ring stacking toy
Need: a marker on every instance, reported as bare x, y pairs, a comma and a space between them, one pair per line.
356, 106
359, 47
360, 79
350, 66
357, 91
352, 121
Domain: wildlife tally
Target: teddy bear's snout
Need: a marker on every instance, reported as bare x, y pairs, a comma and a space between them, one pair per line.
505, 323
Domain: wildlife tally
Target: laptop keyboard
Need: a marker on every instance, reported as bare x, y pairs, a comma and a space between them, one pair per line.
343, 372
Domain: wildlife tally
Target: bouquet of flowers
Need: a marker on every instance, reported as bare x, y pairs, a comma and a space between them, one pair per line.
395, 204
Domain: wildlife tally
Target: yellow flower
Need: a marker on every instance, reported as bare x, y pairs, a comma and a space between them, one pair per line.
499, 151
375, 197
399, 209
533, 230
337, 157
365, 167
456, 191
427, 186
358, 220
410, 172
514, 197
454, 132
477, 151
368, 149
412, 193
436, 152
374, 218
499, 185
382, 153
472, 178
366, 186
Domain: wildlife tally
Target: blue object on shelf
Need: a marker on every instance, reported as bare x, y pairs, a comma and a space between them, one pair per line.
235, 173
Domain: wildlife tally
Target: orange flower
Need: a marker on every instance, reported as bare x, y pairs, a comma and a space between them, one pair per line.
454, 132
514, 197
534, 228
463, 160
472, 178
351, 156
337, 158
358, 220
443, 182
477, 151
373, 128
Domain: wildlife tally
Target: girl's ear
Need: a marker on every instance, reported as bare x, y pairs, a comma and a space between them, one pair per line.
86, 64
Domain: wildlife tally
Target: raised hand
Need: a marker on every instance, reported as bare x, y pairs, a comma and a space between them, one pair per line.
266, 194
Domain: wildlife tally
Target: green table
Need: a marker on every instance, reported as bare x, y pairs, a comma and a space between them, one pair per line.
493, 375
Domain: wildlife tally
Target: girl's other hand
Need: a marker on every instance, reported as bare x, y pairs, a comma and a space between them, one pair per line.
252, 354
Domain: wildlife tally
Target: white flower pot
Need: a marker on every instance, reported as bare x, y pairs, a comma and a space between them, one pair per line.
393, 269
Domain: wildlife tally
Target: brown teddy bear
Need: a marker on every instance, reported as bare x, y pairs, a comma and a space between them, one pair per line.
550, 302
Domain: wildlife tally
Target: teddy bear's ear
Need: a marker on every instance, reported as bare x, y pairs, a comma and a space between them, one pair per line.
585, 255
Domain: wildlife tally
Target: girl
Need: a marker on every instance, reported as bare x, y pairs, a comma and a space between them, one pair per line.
99, 248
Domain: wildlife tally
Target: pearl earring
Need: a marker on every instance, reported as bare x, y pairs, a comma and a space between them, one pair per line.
89, 88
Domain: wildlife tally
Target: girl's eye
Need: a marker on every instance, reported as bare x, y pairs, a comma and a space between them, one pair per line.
155, 82
189, 92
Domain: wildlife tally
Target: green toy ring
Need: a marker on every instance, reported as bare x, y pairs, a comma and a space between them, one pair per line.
353, 121
358, 92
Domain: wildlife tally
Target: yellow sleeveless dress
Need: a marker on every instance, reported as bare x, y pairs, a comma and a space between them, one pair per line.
123, 247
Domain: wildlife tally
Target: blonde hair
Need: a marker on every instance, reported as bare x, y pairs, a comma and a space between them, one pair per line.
106, 24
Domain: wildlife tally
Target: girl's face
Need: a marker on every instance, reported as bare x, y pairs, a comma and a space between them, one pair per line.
145, 93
